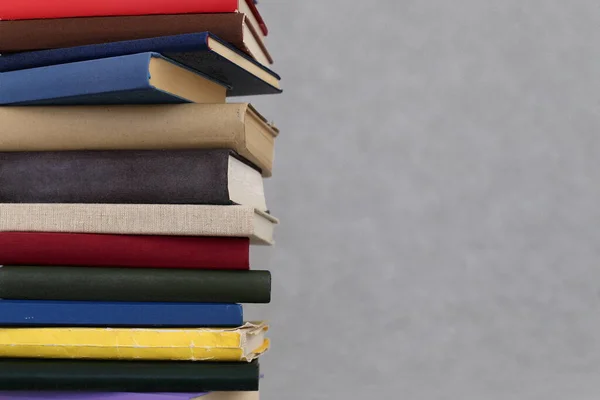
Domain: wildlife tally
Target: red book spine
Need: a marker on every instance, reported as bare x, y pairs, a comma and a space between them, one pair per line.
41, 9
71, 249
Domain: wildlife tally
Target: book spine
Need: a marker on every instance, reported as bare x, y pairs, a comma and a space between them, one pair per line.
123, 344
134, 285
133, 219
41, 9
116, 177
41, 34
70, 249
196, 42
132, 376
76, 79
121, 314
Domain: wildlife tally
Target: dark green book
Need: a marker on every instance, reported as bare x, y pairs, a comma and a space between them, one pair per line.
134, 284
127, 376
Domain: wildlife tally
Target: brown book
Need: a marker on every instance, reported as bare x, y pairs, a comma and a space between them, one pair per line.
42, 34
143, 127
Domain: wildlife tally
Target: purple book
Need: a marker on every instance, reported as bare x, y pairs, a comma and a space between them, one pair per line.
97, 396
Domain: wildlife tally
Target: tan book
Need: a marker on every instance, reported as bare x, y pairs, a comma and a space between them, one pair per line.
140, 219
145, 127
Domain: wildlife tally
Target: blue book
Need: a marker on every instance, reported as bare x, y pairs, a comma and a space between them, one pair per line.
145, 78
201, 52
102, 314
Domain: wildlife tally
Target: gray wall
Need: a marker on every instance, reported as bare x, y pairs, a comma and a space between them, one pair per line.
437, 179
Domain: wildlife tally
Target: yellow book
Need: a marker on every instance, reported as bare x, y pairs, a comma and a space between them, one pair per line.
201, 344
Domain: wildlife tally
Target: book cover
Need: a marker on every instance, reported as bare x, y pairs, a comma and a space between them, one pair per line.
204, 176
145, 78
21, 282
32, 313
202, 52
237, 127
43, 34
244, 343
131, 251
140, 219
127, 376
41, 9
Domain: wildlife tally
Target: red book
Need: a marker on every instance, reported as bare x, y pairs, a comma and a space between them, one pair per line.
73, 249
44, 9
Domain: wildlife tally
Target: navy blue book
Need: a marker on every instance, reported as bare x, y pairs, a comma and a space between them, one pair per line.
145, 78
201, 52
101, 314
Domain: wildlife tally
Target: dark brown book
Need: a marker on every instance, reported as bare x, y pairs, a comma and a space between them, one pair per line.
42, 34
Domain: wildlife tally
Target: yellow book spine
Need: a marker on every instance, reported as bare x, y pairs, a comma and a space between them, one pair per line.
128, 344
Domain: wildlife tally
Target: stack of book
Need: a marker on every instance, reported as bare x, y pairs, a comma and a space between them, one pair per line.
130, 193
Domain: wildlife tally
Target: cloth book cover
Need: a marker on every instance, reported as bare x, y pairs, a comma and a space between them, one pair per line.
237, 127
183, 344
127, 376
40, 9
140, 219
145, 78
43, 34
74, 249
204, 176
28, 313
128, 396
201, 52
134, 284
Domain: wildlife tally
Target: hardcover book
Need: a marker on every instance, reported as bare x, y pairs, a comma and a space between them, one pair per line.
151, 127
145, 78
31, 313
76, 249
183, 344
139, 219
134, 285
40, 9
201, 52
127, 376
204, 176
128, 396
43, 34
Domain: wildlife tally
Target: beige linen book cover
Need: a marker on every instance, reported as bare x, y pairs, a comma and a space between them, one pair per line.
140, 127
140, 219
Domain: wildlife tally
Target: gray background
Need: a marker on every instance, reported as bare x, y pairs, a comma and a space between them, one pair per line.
437, 181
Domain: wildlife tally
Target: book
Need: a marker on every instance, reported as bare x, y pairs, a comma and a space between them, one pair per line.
43, 34
140, 219
134, 284
143, 127
131, 251
244, 343
41, 9
127, 376
128, 396
203, 52
204, 176
145, 78
28, 313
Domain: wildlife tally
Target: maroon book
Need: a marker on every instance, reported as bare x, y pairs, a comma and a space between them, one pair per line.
73, 249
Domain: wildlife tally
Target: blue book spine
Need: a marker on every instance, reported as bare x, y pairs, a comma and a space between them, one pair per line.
118, 80
175, 44
117, 314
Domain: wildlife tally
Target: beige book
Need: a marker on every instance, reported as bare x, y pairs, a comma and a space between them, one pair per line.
229, 396
141, 127
140, 219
